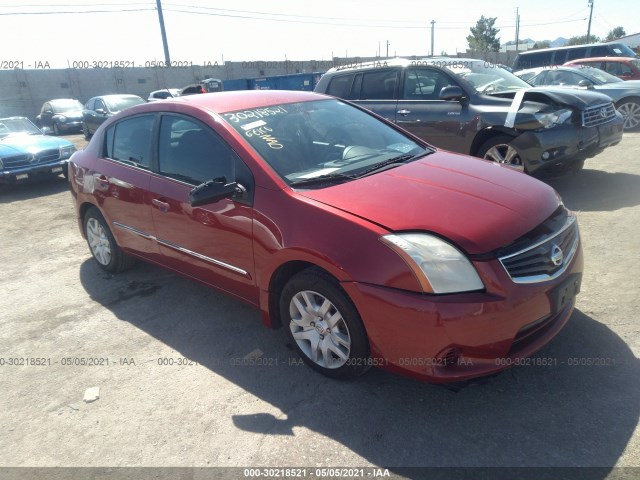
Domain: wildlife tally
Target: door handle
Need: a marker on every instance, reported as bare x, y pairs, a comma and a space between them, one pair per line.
162, 206
404, 112
102, 180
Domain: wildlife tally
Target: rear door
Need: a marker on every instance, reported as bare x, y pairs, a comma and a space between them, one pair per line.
121, 183
377, 90
214, 242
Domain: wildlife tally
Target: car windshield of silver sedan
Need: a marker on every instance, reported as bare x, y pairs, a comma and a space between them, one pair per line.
117, 104
14, 126
600, 75
318, 143
487, 77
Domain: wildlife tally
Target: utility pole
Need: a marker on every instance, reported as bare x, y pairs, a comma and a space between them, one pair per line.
388, 48
167, 60
590, 3
517, 30
433, 22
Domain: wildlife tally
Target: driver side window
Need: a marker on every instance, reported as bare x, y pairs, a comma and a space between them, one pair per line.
423, 84
192, 153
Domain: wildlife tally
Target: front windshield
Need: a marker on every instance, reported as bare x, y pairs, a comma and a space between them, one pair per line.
600, 75
319, 139
11, 126
487, 77
117, 104
62, 106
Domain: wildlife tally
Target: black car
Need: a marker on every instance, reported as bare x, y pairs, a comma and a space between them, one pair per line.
98, 109
481, 109
61, 115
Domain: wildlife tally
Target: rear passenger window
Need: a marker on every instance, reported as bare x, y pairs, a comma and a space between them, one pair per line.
600, 51
340, 86
574, 53
379, 85
129, 141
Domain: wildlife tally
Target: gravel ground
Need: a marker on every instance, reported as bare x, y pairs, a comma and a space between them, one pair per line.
190, 377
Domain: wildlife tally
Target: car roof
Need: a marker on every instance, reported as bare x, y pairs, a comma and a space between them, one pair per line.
118, 95
219, 102
601, 59
438, 62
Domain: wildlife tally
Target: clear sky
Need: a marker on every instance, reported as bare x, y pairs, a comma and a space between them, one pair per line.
208, 30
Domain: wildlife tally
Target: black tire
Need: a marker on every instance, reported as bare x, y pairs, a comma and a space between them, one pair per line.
501, 145
85, 131
117, 261
340, 322
65, 171
577, 166
56, 129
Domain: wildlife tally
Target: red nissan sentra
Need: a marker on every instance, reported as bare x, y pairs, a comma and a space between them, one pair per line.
370, 247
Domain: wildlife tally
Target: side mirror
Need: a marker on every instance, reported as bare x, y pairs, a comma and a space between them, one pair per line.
452, 93
212, 191
585, 84
100, 111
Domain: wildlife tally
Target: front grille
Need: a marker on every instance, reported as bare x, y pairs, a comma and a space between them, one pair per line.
28, 160
597, 115
547, 257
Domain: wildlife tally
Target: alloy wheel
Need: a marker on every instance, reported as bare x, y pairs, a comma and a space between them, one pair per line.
505, 154
98, 241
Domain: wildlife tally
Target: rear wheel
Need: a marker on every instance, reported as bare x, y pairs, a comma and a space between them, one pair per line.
499, 149
325, 327
630, 110
103, 245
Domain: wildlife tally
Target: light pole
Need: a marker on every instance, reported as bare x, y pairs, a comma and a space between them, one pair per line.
433, 22
590, 3
165, 45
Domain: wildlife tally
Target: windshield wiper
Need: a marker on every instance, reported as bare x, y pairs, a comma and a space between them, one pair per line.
328, 178
399, 160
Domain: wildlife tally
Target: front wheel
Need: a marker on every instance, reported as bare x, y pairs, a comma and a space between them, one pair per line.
630, 110
103, 245
499, 149
56, 129
325, 327
85, 131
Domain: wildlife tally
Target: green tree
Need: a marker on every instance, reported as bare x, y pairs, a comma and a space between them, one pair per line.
582, 40
483, 36
615, 34
542, 44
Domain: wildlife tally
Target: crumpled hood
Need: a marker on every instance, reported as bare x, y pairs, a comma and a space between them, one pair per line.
573, 97
479, 205
18, 144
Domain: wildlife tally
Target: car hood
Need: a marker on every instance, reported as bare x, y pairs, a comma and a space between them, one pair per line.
578, 98
479, 205
17, 144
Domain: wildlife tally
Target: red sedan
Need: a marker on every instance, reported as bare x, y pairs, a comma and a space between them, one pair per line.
370, 247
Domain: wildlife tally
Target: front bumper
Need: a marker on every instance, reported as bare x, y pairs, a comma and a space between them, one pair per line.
22, 174
566, 144
451, 338
73, 126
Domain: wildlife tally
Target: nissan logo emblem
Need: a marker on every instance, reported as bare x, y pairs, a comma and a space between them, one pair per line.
556, 255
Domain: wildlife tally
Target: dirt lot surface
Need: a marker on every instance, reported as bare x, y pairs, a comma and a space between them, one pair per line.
190, 377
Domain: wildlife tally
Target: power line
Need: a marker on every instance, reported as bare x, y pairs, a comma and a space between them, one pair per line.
4, 14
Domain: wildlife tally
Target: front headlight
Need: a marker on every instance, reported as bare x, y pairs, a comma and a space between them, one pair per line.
551, 119
62, 118
439, 266
66, 152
